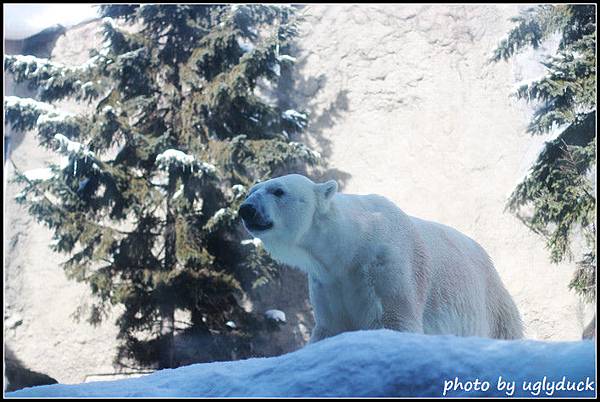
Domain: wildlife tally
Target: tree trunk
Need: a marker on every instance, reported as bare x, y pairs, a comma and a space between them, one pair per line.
166, 306
166, 353
590, 331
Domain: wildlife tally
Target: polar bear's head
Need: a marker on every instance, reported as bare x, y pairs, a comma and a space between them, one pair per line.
282, 210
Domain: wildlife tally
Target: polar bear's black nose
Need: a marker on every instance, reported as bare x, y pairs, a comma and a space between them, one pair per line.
247, 212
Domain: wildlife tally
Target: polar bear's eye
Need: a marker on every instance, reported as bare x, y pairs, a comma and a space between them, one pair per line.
278, 192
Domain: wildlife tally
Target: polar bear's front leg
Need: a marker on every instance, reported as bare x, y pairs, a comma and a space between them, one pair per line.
401, 314
399, 295
324, 302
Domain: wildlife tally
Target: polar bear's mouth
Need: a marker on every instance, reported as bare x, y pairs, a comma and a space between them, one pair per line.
258, 227
253, 218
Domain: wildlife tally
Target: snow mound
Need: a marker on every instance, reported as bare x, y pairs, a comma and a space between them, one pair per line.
368, 364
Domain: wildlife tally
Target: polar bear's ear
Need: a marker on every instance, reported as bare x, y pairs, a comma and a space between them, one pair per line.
327, 189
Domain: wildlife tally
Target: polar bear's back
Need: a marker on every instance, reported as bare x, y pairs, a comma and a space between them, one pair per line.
378, 213
447, 251
446, 243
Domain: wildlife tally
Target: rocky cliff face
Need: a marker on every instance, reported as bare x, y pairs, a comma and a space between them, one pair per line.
403, 103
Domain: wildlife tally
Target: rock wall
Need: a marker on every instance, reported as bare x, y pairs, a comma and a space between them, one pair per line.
402, 103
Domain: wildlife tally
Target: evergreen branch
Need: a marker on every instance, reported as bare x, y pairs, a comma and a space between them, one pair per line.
557, 189
55, 80
79, 217
534, 25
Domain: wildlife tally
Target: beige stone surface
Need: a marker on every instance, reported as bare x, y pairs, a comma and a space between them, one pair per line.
402, 103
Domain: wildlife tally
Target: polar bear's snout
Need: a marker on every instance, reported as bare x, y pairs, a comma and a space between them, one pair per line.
248, 212
254, 220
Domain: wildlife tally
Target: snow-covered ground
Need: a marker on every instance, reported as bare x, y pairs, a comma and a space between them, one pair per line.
372, 363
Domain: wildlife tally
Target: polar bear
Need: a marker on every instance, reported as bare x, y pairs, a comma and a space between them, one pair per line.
371, 266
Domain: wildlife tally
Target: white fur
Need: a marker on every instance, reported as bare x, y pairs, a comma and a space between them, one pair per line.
370, 265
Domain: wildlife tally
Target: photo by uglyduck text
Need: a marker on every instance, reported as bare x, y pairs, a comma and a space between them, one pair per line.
541, 387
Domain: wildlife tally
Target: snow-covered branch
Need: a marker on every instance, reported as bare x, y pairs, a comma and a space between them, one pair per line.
299, 119
304, 151
238, 191
57, 80
255, 241
68, 147
15, 102
173, 157
27, 113
40, 174
220, 217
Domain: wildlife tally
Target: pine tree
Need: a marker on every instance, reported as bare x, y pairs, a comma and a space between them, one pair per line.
559, 186
145, 199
